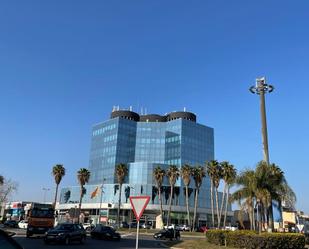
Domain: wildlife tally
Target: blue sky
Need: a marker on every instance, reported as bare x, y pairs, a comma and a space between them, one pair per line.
64, 64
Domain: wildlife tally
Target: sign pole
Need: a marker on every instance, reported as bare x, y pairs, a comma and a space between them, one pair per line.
138, 203
137, 232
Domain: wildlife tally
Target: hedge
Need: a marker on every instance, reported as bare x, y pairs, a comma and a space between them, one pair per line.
253, 240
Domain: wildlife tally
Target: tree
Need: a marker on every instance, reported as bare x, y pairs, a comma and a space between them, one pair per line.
272, 182
172, 174
83, 176
229, 176
245, 195
198, 175
261, 189
7, 187
58, 172
186, 173
121, 173
158, 175
212, 171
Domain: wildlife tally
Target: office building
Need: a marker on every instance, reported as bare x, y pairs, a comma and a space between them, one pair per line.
143, 142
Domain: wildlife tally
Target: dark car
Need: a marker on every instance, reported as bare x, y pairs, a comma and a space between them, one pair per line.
124, 224
167, 234
133, 225
6, 241
104, 232
11, 223
66, 233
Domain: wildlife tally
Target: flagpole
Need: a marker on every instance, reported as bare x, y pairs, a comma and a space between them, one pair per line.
101, 201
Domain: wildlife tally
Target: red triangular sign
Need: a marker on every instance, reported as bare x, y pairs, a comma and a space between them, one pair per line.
139, 203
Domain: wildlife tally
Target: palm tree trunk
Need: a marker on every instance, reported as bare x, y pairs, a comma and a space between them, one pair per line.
168, 221
270, 217
212, 204
119, 202
80, 202
195, 208
250, 214
160, 201
226, 203
222, 202
187, 204
217, 207
56, 195
260, 217
253, 216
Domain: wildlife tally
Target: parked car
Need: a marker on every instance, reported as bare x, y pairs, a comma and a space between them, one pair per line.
184, 228
6, 241
231, 228
23, 224
11, 223
167, 234
202, 229
88, 226
124, 224
133, 225
144, 225
66, 233
104, 232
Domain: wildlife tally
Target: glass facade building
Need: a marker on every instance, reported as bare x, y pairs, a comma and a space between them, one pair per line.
143, 142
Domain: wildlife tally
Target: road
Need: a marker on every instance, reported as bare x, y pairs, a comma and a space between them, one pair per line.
127, 241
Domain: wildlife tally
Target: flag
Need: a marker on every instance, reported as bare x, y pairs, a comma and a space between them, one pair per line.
95, 192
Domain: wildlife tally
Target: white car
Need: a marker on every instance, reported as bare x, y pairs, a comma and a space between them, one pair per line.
23, 224
184, 228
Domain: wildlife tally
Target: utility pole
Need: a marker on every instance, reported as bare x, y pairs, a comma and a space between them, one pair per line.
261, 88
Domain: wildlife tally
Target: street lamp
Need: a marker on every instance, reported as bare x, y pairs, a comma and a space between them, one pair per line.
45, 190
102, 186
261, 88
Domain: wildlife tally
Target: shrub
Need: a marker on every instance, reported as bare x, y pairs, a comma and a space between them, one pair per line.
216, 237
253, 240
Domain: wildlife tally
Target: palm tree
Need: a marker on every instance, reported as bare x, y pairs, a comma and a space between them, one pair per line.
198, 175
261, 188
229, 176
186, 173
172, 174
271, 181
246, 194
211, 169
158, 175
121, 173
83, 176
58, 172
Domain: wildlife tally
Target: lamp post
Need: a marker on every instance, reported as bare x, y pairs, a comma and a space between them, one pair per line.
44, 196
261, 88
102, 186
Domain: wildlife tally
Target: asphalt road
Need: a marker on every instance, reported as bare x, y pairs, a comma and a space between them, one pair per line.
127, 241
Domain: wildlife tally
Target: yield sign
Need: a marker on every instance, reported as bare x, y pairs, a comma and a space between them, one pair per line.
139, 203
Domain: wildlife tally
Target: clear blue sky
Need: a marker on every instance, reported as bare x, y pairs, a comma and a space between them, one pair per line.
64, 64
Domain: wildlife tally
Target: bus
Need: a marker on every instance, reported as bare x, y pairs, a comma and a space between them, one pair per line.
40, 218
